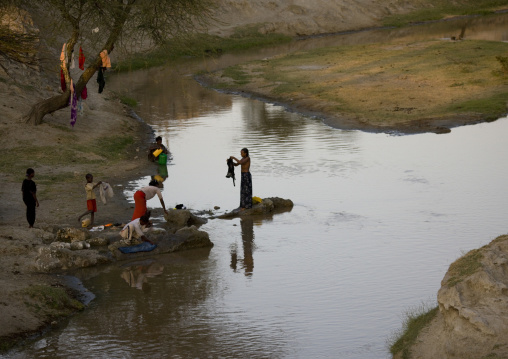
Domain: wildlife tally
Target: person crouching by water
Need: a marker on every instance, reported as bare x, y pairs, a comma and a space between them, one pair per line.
29, 190
156, 146
134, 231
143, 195
246, 179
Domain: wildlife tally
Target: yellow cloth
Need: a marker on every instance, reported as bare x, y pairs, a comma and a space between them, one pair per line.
256, 200
90, 194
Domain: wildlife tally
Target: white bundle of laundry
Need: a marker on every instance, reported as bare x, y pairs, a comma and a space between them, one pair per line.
105, 191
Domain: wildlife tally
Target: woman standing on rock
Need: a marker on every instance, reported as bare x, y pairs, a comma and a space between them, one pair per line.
246, 181
29, 190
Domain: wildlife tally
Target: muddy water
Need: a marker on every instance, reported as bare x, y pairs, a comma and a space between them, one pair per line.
376, 222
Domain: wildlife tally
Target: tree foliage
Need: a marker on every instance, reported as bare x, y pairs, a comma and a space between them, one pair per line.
113, 22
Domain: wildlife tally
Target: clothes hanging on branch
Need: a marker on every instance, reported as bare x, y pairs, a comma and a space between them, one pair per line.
81, 59
73, 102
106, 61
73, 64
84, 93
100, 79
63, 85
63, 54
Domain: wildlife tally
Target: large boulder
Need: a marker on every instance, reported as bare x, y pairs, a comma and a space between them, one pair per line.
52, 257
472, 321
180, 218
267, 206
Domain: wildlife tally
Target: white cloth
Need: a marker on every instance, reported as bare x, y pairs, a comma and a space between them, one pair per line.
105, 191
133, 230
151, 191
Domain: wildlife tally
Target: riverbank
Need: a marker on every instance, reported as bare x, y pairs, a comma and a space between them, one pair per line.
106, 141
424, 86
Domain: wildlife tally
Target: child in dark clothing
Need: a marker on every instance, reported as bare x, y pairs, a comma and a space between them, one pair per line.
29, 190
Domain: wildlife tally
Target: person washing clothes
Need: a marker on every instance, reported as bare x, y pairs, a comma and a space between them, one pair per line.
135, 230
91, 203
156, 146
144, 194
246, 179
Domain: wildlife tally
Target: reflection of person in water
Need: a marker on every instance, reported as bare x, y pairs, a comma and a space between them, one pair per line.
247, 225
137, 276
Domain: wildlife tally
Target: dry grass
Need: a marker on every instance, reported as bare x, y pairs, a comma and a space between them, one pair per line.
384, 84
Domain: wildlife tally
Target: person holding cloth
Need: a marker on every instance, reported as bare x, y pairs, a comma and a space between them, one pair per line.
29, 190
246, 179
143, 195
91, 203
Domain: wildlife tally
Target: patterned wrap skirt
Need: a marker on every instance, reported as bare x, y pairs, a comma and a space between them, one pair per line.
246, 190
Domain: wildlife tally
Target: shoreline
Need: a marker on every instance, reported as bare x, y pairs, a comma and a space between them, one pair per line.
434, 125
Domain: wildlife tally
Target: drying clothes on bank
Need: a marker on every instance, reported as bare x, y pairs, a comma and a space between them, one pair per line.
105, 192
142, 247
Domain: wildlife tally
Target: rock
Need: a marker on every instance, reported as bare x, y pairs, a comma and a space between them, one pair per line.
50, 258
98, 241
180, 218
72, 235
472, 321
268, 205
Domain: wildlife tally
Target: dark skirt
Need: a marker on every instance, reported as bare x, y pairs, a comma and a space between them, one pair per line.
246, 190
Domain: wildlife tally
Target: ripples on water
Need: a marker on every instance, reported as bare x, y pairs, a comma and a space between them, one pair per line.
377, 220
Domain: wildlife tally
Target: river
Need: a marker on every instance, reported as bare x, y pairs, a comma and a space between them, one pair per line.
377, 221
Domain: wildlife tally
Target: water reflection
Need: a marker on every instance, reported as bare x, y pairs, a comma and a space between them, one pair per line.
247, 262
136, 275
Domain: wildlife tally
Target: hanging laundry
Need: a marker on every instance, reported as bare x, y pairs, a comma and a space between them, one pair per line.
73, 64
73, 102
80, 106
81, 59
63, 85
84, 93
106, 61
100, 79
63, 55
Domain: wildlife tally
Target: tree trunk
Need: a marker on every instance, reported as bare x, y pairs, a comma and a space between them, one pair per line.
52, 104
49, 105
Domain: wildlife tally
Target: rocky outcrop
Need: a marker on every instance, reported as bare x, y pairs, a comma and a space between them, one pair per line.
267, 206
473, 308
180, 218
68, 250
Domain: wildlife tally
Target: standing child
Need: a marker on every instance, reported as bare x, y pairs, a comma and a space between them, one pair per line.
29, 190
91, 203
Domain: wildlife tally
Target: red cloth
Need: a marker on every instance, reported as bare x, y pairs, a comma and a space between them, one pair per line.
139, 204
84, 93
91, 205
81, 59
62, 81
